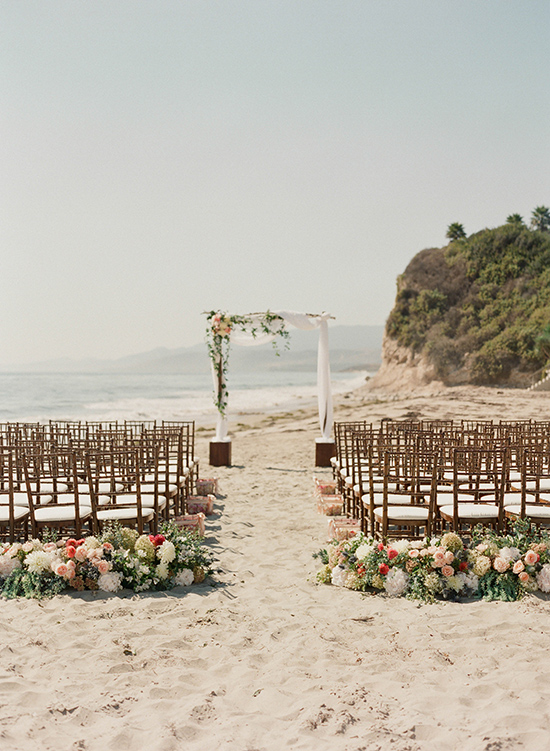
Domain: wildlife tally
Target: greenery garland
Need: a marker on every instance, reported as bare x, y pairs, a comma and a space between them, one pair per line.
219, 326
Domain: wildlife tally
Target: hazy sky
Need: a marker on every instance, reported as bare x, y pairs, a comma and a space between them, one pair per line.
160, 158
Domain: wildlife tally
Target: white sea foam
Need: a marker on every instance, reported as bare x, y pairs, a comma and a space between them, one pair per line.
68, 396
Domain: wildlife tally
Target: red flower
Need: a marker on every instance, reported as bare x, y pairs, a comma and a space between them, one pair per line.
463, 566
380, 546
71, 541
383, 568
70, 550
159, 539
392, 553
80, 542
152, 538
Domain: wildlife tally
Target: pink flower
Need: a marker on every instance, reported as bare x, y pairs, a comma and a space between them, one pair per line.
383, 568
531, 557
81, 554
447, 570
103, 566
439, 559
501, 564
392, 553
482, 547
70, 550
107, 546
524, 576
70, 573
71, 541
449, 556
50, 547
71, 565
414, 553
380, 546
518, 567
61, 569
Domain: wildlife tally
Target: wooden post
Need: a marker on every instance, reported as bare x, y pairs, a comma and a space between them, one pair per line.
220, 453
324, 451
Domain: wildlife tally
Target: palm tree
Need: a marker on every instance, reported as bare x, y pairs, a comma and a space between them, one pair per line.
455, 231
540, 219
514, 219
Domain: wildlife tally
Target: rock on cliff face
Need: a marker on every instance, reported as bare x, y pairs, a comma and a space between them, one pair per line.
402, 368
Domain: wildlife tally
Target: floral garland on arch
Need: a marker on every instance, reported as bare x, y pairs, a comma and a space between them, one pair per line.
491, 566
219, 326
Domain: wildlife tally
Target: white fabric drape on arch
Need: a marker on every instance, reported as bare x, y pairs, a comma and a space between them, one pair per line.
324, 392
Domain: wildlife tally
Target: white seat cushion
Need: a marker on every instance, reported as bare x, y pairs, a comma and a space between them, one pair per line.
19, 513
48, 487
393, 499
544, 484
22, 499
472, 511
534, 510
511, 499
124, 514
446, 499
56, 513
149, 487
403, 513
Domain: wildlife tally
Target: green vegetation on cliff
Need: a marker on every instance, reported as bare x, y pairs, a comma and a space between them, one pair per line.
478, 308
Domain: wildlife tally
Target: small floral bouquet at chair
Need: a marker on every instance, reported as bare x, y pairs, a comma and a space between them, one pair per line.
489, 567
118, 558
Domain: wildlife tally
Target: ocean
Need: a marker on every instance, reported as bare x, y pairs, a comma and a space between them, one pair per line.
39, 397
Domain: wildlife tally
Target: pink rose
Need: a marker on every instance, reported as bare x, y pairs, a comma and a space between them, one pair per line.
531, 557
414, 553
501, 564
449, 556
447, 570
70, 550
392, 553
439, 558
107, 546
50, 547
103, 566
518, 567
70, 574
61, 569
71, 565
383, 568
482, 547
524, 577
81, 554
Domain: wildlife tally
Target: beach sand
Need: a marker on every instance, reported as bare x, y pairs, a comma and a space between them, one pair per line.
268, 659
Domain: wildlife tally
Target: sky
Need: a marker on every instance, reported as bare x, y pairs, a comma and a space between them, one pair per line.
161, 158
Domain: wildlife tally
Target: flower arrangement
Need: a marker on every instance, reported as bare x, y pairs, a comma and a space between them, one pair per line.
118, 558
492, 567
219, 326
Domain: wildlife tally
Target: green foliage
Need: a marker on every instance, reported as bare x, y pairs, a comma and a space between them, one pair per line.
481, 305
455, 231
540, 219
23, 583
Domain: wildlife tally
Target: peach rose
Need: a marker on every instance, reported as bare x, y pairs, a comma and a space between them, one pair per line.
524, 577
413, 553
447, 570
449, 556
518, 567
501, 565
61, 569
81, 553
531, 557
103, 566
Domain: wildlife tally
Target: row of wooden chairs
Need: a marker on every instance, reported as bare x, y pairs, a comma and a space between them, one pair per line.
410, 479
79, 476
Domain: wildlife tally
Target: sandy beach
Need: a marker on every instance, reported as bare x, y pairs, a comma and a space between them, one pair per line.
267, 659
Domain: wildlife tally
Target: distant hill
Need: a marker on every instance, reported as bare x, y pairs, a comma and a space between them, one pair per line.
472, 312
351, 348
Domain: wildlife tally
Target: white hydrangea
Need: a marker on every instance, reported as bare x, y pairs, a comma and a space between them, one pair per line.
510, 554
166, 552
396, 582
543, 578
400, 545
110, 582
92, 543
339, 576
185, 577
456, 582
39, 561
162, 571
363, 551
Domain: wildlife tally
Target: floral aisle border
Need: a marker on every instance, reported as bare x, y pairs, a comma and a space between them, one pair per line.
219, 326
491, 567
115, 559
